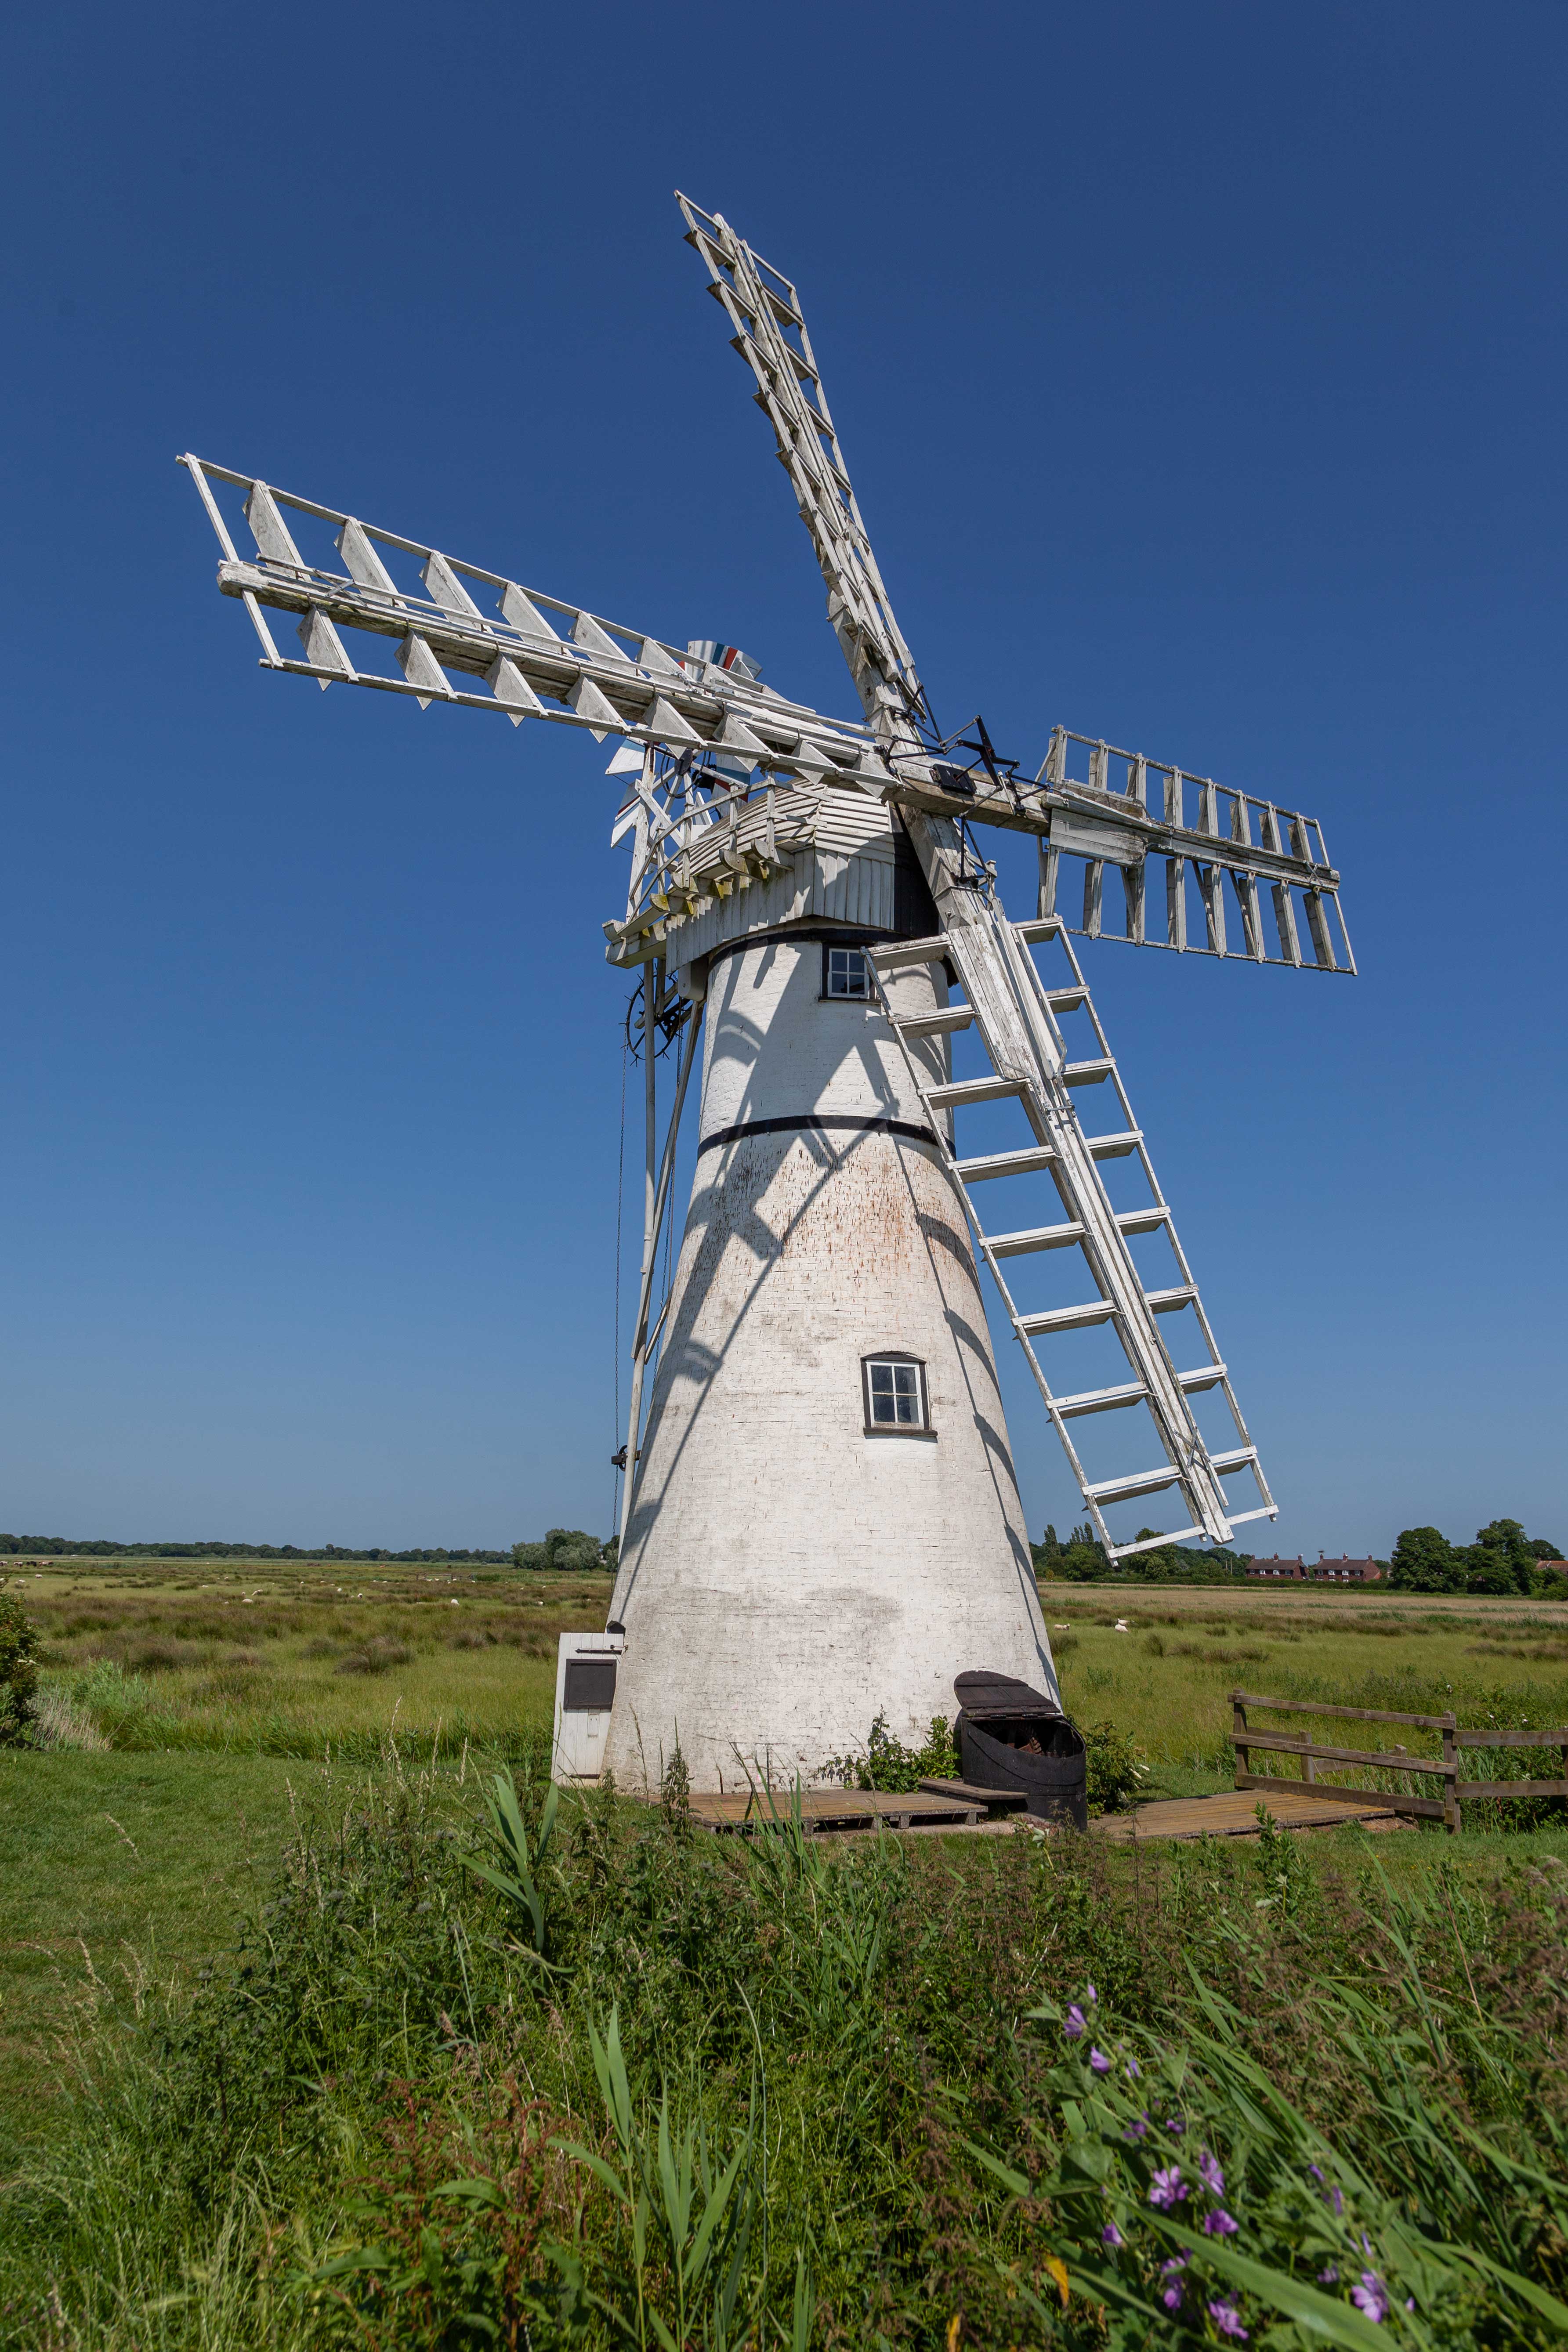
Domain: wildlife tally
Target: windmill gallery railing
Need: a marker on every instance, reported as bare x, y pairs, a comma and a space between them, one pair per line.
1451, 1793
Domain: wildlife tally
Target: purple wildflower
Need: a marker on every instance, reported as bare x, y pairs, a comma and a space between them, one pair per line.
1210, 2173
1169, 2186
1139, 2131
1133, 2070
1099, 2062
1174, 2124
1228, 2320
1074, 2025
1171, 2274
1218, 2224
1371, 2296
1329, 2277
1112, 2236
1094, 1997
1316, 2171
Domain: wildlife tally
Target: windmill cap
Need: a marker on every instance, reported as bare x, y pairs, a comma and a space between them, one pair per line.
992, 1693
720, 655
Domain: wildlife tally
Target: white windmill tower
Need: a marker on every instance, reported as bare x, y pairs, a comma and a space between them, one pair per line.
821, 1519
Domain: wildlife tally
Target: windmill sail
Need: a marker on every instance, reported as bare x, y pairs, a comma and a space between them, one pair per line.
533, 656
771, 336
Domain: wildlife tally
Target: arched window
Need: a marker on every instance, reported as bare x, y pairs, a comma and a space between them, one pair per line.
894, 1388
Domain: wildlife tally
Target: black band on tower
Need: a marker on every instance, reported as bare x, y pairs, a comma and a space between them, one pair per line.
817, 1125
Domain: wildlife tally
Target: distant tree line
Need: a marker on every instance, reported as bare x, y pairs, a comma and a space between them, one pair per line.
562, 1548
1502, 1559
1083, 1560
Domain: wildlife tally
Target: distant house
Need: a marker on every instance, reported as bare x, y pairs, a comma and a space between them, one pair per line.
1276, 1567
1345, 1572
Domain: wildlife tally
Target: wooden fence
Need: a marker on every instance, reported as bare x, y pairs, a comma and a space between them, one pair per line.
1446, 1805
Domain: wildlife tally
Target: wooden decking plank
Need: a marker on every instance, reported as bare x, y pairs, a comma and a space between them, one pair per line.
1233, 1813
828, 1809
969, 1793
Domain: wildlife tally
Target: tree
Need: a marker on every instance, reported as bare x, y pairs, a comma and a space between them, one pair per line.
1486, 1570
1501, 1560
1083, 1558
1424, 1560
19, 1675
569, 1548
1541, 1549
563, 1551
1047, 1555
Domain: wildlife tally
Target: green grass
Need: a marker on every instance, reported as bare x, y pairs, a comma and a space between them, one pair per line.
221, 1698
306, 1660
379, 2121
1168, 1678
208, 2130
119, 1872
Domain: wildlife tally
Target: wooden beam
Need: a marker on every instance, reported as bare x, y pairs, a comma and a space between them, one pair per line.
1382, 1759
1364, 1713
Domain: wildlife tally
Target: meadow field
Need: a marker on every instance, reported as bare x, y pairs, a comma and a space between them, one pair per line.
278, 2066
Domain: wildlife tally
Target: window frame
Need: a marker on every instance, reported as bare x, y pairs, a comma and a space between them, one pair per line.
831, 946
874, 1428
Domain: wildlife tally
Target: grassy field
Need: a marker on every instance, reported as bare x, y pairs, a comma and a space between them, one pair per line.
306, 1660
200, 1710
316, 1660
297, 1745
1168, 1677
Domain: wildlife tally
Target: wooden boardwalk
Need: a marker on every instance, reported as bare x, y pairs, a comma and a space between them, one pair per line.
1234, 1813
834, 1809
830, 1811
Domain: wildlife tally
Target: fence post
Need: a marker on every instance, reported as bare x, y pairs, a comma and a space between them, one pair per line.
1239, 1723
1451, 1822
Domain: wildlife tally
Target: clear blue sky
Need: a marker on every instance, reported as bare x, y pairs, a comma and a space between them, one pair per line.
1201, 371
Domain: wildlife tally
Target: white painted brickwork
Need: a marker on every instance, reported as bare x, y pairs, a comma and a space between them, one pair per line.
786, 1576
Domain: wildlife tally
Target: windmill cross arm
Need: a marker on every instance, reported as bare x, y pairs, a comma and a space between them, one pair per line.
536, 656
1104, 825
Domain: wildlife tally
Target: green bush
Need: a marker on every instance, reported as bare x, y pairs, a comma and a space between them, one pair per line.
889, 1765
1115, 1773
19, 1675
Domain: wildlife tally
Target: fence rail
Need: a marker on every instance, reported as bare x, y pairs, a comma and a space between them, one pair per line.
1447, 1806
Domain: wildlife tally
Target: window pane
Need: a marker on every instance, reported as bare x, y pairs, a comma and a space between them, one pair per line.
847, 973
896, 1395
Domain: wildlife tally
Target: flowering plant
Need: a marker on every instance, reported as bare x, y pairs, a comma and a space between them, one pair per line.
1187, 2196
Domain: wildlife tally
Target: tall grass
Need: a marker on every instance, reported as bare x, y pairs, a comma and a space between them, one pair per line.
659, 2088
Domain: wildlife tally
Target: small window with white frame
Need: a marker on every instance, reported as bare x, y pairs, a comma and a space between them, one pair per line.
846, 974
895, 1396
